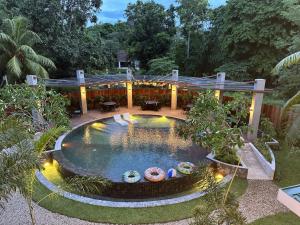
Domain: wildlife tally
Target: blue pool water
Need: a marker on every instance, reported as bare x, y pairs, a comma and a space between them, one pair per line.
108, 149
293, 191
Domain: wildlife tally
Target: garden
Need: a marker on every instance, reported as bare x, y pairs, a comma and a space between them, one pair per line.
79, 146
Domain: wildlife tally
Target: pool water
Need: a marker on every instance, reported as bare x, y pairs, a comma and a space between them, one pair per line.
108, 149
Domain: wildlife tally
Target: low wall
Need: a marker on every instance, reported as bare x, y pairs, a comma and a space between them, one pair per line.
291, 203
227, 169
269, 167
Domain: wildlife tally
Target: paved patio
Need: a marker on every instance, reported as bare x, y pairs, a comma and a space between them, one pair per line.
96, 114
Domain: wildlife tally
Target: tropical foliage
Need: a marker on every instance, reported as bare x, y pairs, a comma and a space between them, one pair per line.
23, 149
217, 127
17, 57
222, 206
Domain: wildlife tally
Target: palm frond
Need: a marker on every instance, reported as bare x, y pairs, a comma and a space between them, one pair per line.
14, 66
6, 39
293, 133
44, 61
30, 38
48, 138
42, 72
86, 185
286, 108
28, 52
286, 62
8, 26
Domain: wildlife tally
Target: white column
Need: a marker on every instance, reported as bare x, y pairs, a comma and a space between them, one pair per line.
81, 81
220, 85
37, 117
175, 74
255, 110
129, 88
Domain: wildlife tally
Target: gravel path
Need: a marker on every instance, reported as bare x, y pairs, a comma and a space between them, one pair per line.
258, 201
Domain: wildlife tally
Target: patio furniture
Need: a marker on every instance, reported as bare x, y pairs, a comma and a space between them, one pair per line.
109, 106
126, 116
151, 105
119, 120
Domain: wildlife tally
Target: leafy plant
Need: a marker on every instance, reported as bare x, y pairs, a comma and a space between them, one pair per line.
16, 50
215, 126
221, 206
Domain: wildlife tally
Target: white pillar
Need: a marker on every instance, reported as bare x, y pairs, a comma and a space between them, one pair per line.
255, 110
81, 81
175, 74
220, 86
129, 88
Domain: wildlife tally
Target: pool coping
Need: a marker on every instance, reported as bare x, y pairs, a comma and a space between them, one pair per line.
121, 204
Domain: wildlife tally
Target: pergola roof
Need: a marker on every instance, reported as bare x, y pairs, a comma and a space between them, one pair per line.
183, 82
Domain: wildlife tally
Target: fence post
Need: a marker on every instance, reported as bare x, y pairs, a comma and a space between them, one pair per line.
220, 86
175, 74
255, 110
129, 88
81, 81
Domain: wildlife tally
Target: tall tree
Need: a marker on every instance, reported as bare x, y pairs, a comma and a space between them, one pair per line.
253, 35
61, 26
193, 15
150, 33
17, 57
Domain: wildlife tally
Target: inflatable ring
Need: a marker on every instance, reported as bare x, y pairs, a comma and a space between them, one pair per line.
131, 176
185, 167
155, 174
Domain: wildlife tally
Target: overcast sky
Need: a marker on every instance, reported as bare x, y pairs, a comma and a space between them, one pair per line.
113, 10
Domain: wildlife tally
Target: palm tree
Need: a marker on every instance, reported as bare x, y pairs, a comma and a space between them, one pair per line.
287, 62
17, 57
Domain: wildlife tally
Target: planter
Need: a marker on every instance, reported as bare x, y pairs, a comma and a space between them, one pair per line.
226, 168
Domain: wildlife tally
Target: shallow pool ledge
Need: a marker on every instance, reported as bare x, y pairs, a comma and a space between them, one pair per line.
121, 204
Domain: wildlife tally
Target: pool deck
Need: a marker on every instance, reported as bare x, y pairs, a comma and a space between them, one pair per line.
96, 114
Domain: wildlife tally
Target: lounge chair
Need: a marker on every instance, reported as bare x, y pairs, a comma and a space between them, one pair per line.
119, 120
126, 116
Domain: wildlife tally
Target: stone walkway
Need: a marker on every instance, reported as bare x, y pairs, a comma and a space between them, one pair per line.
255, 170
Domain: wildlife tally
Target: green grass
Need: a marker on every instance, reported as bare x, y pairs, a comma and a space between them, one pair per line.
123, 215
278, 219
287, 166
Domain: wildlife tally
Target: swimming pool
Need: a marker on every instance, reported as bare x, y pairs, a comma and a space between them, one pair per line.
105, 148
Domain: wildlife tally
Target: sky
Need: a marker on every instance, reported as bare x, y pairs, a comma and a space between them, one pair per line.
113, 10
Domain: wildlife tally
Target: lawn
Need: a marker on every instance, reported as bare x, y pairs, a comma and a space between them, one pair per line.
287, 166
278, 219
123, 215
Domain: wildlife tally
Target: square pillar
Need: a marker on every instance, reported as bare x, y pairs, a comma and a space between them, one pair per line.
175, 74
173, 97
81, 81
255, 109
129, 95
220, 86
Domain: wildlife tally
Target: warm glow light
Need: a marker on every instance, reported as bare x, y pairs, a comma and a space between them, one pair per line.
219, 177
98, 126
46, 164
